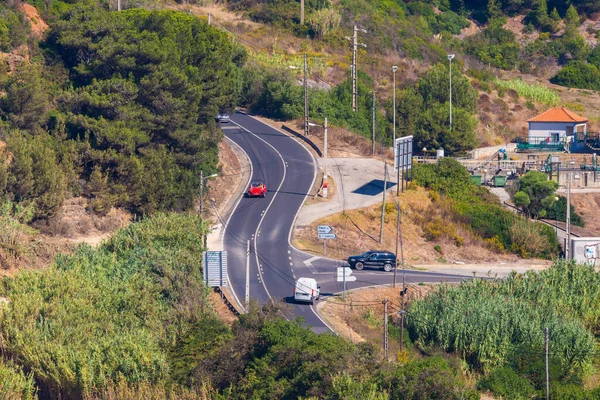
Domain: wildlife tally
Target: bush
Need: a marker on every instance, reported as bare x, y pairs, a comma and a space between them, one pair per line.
484, 320
578, 74
14, 384
432, 378
505, 382
111, 313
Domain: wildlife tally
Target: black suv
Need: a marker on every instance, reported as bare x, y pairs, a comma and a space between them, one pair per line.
373, 258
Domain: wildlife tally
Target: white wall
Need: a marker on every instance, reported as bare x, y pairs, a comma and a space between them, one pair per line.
544, 129
579, 253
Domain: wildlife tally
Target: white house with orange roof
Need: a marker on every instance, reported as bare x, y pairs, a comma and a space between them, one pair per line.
557, 127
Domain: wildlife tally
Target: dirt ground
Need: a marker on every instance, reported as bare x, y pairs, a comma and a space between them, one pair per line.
359, 318
359, 230
38, 25
221, 188
588, 206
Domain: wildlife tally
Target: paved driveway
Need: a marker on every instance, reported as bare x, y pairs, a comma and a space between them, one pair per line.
359, 183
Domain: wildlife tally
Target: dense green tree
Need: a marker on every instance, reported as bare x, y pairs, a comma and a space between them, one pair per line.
572, 17
147, 87
578, 74
426, 110
538, 190
26, 102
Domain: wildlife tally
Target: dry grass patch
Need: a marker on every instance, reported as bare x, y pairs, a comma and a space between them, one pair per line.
429, 235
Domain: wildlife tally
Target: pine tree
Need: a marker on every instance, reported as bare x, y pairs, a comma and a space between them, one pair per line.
572, 17
554, 15
493, 10
541, 13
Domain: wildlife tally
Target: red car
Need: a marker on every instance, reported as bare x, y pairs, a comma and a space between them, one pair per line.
257, 188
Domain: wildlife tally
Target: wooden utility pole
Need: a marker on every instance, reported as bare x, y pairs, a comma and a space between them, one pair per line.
397, 239
373, 138
301, 11
547, 368
305, 96
325, 188
383, 205
568, 220
385, 328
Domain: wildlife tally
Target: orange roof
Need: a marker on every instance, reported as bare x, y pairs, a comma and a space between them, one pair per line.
558, 114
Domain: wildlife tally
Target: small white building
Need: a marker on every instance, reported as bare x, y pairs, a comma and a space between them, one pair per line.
557, 126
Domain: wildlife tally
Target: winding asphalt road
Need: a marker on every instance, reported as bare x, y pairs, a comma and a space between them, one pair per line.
289, 170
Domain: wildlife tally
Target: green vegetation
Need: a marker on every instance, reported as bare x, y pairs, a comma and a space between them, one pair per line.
131, 124
536, 197
535, 194
14, 384
14, 28
475, 208
98, 316
535, 92
131, 319
498, 326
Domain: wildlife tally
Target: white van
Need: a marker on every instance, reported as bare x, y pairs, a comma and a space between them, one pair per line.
307, 290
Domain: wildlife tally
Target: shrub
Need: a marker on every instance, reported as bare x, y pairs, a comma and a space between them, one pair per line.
432, 378
111, 313
482, 321
578, 74
505, 382
14, 384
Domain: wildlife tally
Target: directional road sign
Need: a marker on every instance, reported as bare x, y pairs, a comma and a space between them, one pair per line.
348, 272
327, 236
324, 229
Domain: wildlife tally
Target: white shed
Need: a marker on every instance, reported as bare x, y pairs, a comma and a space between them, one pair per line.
557, 125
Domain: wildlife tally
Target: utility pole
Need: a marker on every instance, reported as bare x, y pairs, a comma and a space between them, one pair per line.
209, 18
547, 369
385, 328
397, 234
118, 5
353, 67
301, 11
568, 221
394, 69
403, 292
354, 49
325, 158
305, 95
373, 139
383, 205
247, 274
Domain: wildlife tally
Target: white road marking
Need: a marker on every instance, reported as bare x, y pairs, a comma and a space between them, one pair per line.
231, 215
270, 203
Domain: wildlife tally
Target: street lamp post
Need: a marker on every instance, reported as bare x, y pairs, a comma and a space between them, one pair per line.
450, 57
202, 179
556, 214
394, 69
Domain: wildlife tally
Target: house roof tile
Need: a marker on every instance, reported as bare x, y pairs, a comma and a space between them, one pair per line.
558, 114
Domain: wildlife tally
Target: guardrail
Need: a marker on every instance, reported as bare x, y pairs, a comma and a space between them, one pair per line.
228, 303
301, 136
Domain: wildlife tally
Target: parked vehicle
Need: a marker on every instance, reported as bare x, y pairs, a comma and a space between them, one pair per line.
307, 290
373, 258
257, 189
